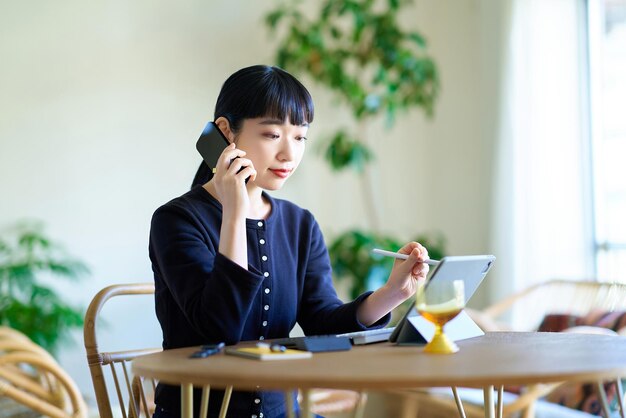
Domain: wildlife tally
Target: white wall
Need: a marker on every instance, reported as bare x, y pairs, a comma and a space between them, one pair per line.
101, 103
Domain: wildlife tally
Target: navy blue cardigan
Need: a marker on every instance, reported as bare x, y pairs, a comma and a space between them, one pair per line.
203, 297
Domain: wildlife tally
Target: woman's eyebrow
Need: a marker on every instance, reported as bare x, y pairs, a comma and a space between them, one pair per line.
278, 122
271, 122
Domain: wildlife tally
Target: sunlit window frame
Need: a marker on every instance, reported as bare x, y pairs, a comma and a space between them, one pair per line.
606, 251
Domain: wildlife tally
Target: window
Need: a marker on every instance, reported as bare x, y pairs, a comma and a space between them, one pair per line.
607, 75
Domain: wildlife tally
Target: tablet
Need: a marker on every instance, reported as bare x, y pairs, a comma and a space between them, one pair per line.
472, 269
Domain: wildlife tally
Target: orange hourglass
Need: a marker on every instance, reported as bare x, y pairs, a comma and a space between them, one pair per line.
438, 302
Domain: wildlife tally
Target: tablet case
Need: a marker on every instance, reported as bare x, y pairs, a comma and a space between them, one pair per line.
413, 329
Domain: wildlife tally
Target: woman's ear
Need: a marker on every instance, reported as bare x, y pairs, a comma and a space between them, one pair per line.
224, 126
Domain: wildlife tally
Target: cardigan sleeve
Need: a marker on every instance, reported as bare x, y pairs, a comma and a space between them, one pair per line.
321, 311
213, 292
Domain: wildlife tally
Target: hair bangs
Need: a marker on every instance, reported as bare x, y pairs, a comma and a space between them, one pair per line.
287, 99
264, 91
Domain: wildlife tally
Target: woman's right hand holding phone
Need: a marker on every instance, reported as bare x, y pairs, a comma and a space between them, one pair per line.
230, 181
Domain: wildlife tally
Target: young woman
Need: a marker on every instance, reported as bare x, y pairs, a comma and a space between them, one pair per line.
231, 263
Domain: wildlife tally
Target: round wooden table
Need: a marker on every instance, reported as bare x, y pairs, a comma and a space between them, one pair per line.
494, 359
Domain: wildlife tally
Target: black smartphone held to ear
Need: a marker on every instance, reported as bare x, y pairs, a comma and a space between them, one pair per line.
211, 144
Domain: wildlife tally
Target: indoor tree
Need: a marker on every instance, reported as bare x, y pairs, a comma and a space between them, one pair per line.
357, 49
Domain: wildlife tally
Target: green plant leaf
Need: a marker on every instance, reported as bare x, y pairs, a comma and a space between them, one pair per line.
344, 152
272, 19
25, 304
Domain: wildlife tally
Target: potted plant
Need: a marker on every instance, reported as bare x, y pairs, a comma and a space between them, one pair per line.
358, 49
27, 255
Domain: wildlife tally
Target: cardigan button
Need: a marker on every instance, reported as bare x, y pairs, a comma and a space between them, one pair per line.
261, 241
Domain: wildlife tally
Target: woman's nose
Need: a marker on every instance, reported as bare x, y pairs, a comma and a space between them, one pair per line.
286, 151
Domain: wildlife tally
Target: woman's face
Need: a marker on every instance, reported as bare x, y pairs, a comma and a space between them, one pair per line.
275, 148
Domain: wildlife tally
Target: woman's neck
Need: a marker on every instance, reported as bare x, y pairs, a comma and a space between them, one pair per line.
260, 207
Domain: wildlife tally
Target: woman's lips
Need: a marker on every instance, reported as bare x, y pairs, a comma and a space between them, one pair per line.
282, 173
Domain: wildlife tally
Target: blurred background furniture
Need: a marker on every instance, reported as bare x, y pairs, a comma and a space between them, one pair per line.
32, 383
338, 403
554, 305
528, 308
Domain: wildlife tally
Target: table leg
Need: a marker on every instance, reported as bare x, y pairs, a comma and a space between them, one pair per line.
226, 401
204, 406
603, 400
305, 410
488, 401
186, 400
290, 405
620, 397
359, 410
500, 402
459, 403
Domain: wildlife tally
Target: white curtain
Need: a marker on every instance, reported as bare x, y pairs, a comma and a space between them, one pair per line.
541, 203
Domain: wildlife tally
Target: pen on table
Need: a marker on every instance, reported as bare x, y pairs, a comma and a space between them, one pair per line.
208, 350
274, 348
401, 256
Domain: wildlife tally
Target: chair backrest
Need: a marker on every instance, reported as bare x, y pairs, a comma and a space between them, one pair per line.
31, 377
559, 296
129, 391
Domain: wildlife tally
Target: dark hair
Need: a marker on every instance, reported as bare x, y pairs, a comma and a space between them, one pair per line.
260, 91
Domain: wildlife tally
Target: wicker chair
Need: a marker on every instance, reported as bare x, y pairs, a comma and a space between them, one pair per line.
130, 393
31, 377
551, 297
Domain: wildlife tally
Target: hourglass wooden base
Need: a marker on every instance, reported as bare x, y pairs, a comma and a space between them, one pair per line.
441, 344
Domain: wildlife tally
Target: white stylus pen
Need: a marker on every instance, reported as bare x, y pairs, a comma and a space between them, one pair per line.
401, 256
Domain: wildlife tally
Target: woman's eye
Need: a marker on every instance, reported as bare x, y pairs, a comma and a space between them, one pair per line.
272, 136
301, 138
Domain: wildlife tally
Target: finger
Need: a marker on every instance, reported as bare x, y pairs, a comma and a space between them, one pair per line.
247, 172
239, 163
421, 253
420, 269
424, 251
408, 248
229, 154
418, 255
